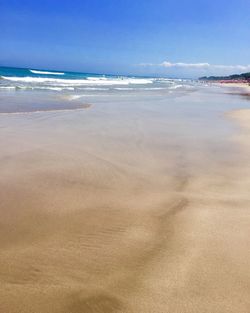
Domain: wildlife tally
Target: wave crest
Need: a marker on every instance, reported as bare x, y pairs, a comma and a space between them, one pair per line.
79, 82
46, 72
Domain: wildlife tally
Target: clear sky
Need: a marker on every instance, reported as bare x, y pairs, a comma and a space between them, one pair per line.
175, 38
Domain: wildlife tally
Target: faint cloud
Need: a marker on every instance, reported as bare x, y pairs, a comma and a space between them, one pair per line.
185, 65
201, 66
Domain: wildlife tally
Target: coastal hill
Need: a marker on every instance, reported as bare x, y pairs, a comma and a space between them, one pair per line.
244, 77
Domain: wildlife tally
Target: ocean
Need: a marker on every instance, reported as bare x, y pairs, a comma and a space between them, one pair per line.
36, 79
32, 90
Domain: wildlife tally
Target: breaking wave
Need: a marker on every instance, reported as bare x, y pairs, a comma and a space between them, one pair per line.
46, 72
75, 82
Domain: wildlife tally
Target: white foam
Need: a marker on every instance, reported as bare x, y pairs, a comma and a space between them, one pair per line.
54, 88
75, 97
176, 86
7, 87
127, 88
50, 88
75, 82
93, 88
96, 78
149, 88
46, 73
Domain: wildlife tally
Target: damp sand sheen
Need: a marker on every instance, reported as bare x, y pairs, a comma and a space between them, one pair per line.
139, 204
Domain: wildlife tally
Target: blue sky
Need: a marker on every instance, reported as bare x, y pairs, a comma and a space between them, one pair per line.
185, 38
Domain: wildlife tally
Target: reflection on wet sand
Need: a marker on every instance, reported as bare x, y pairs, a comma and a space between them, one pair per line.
12, 105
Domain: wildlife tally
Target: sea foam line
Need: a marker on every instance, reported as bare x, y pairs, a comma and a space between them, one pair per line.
46, 73
72, 82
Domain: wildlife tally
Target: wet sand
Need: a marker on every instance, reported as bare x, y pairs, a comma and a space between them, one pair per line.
125, 209
36, 103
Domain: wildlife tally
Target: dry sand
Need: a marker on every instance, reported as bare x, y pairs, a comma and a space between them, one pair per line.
238, 88
122, 223
246, 86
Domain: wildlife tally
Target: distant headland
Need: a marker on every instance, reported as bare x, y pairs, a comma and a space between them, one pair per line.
235, 78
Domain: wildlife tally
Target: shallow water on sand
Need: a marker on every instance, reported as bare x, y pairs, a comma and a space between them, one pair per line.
129, 202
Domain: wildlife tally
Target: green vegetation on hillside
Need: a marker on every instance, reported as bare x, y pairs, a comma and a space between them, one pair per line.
244, 76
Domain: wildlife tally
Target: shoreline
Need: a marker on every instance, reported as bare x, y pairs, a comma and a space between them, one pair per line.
125, 212
235, 85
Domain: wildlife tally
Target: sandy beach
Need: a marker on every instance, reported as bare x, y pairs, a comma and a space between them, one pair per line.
129, 207
243, 88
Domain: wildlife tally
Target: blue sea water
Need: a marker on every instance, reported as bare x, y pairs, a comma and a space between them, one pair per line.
26, 72
24, 78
